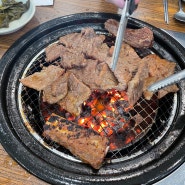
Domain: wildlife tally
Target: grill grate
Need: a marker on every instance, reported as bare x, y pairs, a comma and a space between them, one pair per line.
155, 117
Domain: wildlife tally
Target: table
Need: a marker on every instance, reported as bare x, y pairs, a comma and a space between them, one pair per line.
150, 11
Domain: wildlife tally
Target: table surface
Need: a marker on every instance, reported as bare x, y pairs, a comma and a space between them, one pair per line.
150, 11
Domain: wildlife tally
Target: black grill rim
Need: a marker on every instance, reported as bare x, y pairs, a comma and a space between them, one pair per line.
166, 162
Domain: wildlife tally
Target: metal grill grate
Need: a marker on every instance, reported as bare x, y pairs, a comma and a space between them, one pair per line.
154, 116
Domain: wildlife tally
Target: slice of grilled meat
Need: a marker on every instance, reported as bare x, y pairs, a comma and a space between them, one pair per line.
96, 75
83, 143
136, 85
40, 80
127, 66
137, 38
159, 69
77, 93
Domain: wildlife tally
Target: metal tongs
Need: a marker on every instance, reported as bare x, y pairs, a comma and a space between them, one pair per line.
128, 9
175, 78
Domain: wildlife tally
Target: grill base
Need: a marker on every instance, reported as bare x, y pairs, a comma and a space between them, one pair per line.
48, 163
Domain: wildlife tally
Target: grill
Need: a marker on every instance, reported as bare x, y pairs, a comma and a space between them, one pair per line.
142, 125
145, 151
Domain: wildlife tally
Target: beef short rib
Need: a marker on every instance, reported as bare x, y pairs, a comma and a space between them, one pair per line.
57, 90
77, 93
159, 69
127, 66
40, 80
136, 85
96, 75
137, 38
83, 143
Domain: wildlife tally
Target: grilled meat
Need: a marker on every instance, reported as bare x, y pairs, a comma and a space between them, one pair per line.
166, 90
77, 93
85, 68
159, 69
84, 143
77, 40
136, 85
148, 81
74, 48
112, 26
86, 55
106, 78
71, 58
127, 66
40, 80
54, 51
137, 38
87, 42
96, 75
56, 91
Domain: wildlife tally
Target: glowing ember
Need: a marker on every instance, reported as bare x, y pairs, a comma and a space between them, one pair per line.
109, 114
104, 113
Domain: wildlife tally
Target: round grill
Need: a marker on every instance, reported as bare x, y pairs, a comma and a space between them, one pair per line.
144, 125
156, 147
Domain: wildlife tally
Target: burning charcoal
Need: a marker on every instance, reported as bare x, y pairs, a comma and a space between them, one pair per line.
124, 114
118, 125
124, 103
120, 106
86, 111
133, 123
109, 114
138, 130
